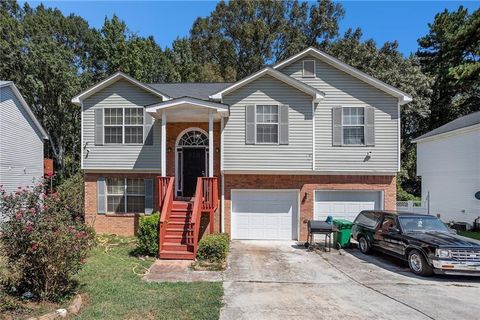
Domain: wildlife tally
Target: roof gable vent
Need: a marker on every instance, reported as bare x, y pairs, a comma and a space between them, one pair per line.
308, 68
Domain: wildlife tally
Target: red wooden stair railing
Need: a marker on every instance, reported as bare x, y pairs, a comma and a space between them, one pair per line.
179, 227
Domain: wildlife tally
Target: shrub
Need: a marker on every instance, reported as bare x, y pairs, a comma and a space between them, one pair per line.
71, 194
148, 234
44, 247
213, 247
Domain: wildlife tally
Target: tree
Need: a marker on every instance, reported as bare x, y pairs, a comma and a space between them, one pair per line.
246, 35
450, 53
43, 52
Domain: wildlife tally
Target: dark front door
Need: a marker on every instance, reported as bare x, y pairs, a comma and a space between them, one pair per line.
193, 167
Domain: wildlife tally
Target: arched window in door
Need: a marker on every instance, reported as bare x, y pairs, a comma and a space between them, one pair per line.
193, 138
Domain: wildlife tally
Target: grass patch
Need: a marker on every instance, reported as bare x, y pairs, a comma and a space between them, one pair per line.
470, 234
112, 280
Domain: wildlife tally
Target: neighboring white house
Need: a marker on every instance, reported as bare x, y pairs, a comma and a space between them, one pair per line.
448, 160
21, 140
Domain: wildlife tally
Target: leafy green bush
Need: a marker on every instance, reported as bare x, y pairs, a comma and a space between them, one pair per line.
43, 245
71, 194
148, 234
213, 247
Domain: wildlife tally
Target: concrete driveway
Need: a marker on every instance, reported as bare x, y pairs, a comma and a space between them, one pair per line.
280, 280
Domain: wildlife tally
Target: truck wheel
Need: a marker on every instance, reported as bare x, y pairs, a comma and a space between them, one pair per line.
418, 264
364, 245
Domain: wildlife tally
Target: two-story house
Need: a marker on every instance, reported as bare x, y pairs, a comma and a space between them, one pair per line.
304, 139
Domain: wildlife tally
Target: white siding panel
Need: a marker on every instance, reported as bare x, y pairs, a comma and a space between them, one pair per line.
450, 171
342, 89
21, 144
142, 157
297, 155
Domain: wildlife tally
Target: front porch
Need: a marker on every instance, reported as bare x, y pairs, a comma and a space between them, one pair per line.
187, 190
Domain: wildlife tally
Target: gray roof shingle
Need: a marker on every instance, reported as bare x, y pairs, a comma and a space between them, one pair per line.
199, 90
462, 122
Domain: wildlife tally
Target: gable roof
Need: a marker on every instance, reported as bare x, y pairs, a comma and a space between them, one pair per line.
219, 107
24, 104
403, 98
460, 123
112, 79
317, 94
198, 90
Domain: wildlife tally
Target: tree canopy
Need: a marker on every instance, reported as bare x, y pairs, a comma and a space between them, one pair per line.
53, 57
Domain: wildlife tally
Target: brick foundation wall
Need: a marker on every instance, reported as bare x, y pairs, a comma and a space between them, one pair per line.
307, 185
121, 224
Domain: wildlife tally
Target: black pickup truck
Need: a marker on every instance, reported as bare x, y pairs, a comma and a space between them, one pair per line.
424, 241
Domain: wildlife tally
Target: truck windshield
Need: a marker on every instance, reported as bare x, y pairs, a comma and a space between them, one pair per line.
422, 224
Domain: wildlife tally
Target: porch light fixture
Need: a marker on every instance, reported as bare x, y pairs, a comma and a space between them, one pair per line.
217, 150
169, 149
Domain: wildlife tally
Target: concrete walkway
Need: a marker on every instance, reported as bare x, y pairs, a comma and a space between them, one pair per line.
279, 280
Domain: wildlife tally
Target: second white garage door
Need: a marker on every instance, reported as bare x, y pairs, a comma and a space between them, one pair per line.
345, 204
264, 214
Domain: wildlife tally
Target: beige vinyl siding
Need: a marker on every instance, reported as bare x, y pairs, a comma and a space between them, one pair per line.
122, 156
342, 89
21, 144
297, 155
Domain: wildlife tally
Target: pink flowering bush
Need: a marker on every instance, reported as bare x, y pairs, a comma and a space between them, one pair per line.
43, 243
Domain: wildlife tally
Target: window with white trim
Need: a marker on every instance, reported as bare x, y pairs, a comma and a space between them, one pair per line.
353, 125
266, 123
125, 195
123, 125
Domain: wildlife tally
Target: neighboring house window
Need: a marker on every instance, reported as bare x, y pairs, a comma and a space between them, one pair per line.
308, 69
353, 122
126, 194
267, 123
123, 125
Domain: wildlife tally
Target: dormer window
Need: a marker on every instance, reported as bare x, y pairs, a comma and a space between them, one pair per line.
308, 69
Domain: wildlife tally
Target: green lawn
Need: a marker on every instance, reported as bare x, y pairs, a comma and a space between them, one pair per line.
116, 291
470, 234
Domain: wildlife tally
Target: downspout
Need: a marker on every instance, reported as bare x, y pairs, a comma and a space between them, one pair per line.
222, 187
313, 135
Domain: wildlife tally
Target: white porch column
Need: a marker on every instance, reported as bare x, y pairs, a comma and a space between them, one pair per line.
163, 145
211, 150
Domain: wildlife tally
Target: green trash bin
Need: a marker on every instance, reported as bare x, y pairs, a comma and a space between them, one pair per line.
342, 237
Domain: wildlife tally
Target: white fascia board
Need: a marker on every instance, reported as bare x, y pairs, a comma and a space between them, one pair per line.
110, 80
403, 98
311, 172
220, 108
317, 94
447, 134
27, 108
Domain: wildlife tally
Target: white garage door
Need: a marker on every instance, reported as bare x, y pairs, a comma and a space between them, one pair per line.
345, 204
264, 214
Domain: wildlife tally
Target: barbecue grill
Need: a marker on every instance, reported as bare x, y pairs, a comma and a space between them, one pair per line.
323, 228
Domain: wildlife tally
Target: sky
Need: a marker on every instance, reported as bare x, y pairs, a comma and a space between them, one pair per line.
404, 21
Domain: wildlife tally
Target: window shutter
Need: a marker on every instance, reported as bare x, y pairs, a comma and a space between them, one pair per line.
283, 124
250, 124
337, 130
369, 126
101, 196
147, 129
148, 196
98, 127
309, 68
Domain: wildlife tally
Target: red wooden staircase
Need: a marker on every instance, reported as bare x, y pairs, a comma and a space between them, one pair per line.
180, 220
